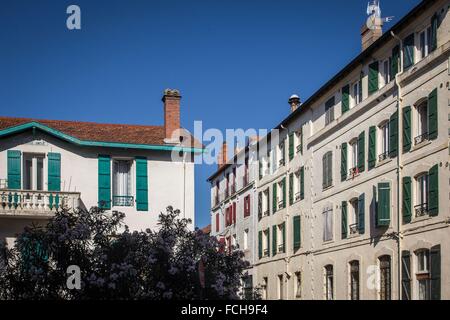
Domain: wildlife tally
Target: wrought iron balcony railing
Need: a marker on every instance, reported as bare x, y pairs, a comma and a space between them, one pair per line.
282, 162
29, 202
423, 137
354, 228
123, 201
281, 248
383, 156
299, 148
298, 196
266, 253
353, 172
280, 204
421, 210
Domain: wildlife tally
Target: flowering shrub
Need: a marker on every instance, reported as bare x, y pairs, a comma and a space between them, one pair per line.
156, 264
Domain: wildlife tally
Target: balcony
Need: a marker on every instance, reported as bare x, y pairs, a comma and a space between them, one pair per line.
123, 201
421, 210
29, 203
421, 138
354, 229
382, 157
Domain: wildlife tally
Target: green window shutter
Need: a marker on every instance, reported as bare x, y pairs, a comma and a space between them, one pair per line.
274, 241
284, 237
104, 182
345, 99
54, 172
141, 184
301, 140
433, 191
274, 198
362, 214
344, 169
384, 205
406, 129
302, 183
362, 152
434, 28
344, 222
435, 272
260, 169
395, 61
373, 77
284, 192
407, 203
408, 51
406, 275
291, 189
260, 244
393, 135
260, 205
297, 233
372, 147
291, 147
268, 241
433, 115
14, 169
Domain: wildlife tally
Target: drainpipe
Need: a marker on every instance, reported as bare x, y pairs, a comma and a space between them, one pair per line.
286, 221
399, 165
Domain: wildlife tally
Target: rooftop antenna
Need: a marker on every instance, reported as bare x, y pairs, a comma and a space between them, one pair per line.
375, 21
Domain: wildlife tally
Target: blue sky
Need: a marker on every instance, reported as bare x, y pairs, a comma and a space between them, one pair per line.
235, 62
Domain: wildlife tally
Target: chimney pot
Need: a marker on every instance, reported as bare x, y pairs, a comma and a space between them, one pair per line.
294, 102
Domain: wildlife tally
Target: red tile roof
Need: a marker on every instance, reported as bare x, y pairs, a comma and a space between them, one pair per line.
100, 132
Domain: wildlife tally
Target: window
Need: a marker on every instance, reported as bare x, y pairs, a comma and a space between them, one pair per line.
246, 239
424, 42
384, 142
385, 277
217, 196
266, 243
421, 207
245, 178
422, 123
33, 172
354, 280
297, 186
282, 154
233, 186
280, 195
274, 163
327, 171
227, 187
247, 206
385, 72
266, 203
354, 157
248, 287
329, 111
408, 51
217, 222
356, 94
423, 274
328, 224
122, 194
264, 287
353, 221
280, 287
280, 238
298, 285
299, 140
329, 284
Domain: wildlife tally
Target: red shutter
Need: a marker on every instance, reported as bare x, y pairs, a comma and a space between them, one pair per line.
248, 206
217, 222
234, 212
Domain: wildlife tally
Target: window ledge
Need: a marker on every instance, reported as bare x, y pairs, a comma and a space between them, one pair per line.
420, 219
327, 242
327, 188
382, 163
420, 145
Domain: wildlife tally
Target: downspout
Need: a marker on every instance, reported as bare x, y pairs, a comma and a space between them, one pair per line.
286, 220
399, 165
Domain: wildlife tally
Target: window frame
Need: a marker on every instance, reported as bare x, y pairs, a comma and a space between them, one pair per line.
329, 282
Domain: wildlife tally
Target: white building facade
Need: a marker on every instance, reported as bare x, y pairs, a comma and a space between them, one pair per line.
46, 165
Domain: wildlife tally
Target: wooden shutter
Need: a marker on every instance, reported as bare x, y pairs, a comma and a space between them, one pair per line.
362, 152
384, 205
260, 205
284, 236
141, 184
433, 115
291, 147
324, 171
297, 232
361, 214
345, 99
260, 169
344, 168
274, 241
284, 192
408, 51
301, 140
435, 272
268, 241
373, 77
395, 61
433, 191
14, 166
274, 198
406, 275
217, 222
291, 189
407, 203
104, 182
234, 212
393, 135
260, 244
54, 172
406, 129
302, 183
372, 147
434, 27
344, 223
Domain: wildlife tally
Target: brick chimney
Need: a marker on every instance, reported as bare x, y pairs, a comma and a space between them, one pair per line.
171, 101
294, 102
369, 36
222, 157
